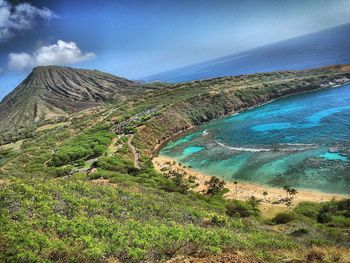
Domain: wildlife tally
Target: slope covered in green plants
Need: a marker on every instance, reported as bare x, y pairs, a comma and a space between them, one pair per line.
71, 192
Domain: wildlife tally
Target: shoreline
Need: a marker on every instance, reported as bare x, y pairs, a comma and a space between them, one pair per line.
271, 203
157, 147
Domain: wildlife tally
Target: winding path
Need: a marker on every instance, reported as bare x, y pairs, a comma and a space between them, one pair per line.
134, 152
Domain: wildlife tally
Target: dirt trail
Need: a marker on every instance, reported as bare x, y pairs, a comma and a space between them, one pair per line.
134, 152
221, 258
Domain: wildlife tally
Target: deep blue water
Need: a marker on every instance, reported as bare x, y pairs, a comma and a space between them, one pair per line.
322, 48
302, 141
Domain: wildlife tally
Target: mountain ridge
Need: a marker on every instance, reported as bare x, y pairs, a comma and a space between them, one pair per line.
53, 91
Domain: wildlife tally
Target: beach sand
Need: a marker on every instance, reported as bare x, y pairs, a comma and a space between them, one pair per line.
269, 206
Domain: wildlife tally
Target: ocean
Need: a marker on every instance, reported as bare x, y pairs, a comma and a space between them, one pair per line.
302, 141
328, 47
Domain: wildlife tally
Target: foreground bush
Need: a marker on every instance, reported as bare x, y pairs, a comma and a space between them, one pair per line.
308, 209
76, 221
333, 213
284, 218
115, 164
237, 208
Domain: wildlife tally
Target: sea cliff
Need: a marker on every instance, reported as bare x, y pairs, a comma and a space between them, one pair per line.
216, 98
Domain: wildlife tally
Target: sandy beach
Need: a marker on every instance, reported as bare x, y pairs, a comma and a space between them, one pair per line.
270, 202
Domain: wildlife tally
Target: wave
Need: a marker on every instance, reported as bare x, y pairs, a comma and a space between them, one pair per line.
299, 144
244, 149
277, 148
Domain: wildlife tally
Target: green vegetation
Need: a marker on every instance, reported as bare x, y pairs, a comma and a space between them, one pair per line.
71, 193
237, 208
334, 214
91, 144
215, 186
77, 220
291, 192
114, 164
5, 155
284, 218
80, 220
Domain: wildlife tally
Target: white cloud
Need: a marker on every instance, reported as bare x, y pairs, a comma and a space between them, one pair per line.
61, 53
19, 61
21, 17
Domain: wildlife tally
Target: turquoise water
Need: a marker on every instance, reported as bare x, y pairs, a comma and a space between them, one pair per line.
302, 141
334, 156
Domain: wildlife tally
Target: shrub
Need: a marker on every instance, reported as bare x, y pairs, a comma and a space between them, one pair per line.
345, 205
308, 209
237, 208
217, 221
90, 144
215, 185
341, 221
254, 203
62, 171
315, 255
116, 164
284, 218
182, 185
5, 154
300, 232
332, 213
335, 213
324, 217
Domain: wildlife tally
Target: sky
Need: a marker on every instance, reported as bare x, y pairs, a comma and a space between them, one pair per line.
137, 38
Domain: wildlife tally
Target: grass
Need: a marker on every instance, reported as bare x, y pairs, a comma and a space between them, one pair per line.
16, 145
51, 126
268, 211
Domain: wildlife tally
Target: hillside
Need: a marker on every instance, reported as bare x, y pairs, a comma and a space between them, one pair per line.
50, 92
199, 101
85, 189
